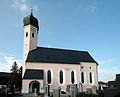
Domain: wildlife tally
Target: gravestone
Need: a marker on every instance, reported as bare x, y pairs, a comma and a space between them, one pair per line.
35, 90
94, 89
68, 88
89, 90
72, 90
47, 90
80, 87
56, 92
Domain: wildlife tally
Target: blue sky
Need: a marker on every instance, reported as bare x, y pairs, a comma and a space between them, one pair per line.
89, 25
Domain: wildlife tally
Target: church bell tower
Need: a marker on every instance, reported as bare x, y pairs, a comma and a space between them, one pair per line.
31, 29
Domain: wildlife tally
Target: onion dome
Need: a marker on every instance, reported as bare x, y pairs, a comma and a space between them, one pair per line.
31, 20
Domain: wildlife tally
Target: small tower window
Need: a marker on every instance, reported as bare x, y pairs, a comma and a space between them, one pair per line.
82, 67
26, 34
33, 35
90, 67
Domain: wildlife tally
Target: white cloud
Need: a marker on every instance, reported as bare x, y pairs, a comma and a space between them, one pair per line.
112, 70
19, 25
107, 61
23, 1
108, 74
107, 70
21, 5
36, 8
7, 61
10, 60
49, 46
87, 8
92, 8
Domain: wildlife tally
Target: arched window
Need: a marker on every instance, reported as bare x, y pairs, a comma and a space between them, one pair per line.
82, 77
33, 35
72, 77
49, 77
90, 77
26, 34
61, 77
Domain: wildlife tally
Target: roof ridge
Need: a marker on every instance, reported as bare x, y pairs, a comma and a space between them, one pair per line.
63, 49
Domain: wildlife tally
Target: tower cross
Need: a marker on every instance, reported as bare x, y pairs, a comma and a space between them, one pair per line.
31, 10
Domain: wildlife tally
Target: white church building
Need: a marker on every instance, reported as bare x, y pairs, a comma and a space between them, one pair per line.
53, 66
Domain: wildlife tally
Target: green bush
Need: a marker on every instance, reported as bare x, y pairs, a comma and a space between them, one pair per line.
86, 95
38, 93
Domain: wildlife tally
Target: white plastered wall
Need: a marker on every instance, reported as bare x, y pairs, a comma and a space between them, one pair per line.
56, 67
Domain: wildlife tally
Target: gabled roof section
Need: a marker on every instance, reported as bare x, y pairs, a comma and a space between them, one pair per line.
5, 74
33, 74
53, 55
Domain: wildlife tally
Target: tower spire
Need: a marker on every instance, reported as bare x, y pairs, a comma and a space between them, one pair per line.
31, 9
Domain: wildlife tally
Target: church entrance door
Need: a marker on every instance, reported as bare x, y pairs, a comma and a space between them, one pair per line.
34, 86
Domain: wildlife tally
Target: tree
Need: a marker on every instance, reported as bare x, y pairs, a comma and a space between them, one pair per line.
14, 78
14, 68
20, 78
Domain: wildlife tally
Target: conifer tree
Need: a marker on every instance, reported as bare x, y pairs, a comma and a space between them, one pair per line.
14, 78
